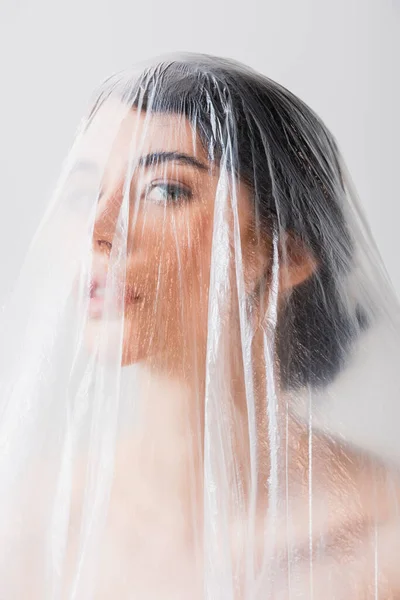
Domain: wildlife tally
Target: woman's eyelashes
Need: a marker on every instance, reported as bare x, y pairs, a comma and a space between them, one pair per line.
165, 192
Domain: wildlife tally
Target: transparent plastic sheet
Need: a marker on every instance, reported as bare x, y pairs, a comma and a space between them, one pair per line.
197, 351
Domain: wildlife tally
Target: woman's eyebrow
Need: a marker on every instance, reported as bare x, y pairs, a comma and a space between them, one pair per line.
88, 166
84, 166
149, 160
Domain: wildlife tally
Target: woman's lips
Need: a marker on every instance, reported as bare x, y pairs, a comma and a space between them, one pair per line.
96, 299
98, 294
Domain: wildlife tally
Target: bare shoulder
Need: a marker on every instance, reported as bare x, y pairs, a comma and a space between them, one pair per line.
344, 510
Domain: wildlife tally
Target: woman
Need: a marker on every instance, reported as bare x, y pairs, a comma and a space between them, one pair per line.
202, 286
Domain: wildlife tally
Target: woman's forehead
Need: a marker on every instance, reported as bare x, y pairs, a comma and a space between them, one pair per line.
119, 135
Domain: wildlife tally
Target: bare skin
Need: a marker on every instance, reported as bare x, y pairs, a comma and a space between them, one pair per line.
346, 545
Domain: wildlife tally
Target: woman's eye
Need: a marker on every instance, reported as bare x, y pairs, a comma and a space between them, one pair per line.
81, 198
168, 193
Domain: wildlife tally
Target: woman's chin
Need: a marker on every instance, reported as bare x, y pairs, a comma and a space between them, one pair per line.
113, 341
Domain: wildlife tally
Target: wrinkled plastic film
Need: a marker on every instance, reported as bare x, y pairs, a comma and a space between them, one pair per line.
199, 363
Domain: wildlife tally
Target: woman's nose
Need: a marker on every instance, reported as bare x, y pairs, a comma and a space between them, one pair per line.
107, 217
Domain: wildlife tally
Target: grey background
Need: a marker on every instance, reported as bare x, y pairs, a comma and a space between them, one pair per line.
338, 56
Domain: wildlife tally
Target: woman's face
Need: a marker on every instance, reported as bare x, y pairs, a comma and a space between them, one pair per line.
172, 187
